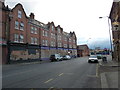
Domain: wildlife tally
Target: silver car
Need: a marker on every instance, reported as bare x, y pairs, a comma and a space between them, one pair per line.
93, 59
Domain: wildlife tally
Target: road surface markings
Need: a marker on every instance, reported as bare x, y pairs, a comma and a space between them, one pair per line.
48, 80
97, 70
60, 74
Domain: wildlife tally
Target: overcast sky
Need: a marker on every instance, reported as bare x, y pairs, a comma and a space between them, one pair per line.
81, 16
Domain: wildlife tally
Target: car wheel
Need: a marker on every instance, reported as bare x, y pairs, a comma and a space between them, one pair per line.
88, 61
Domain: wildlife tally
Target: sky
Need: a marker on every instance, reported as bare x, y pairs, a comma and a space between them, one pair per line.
81, 16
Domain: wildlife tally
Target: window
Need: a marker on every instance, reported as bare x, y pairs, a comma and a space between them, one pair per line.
74, 46
59, 44
32, 31
46, 34
46, 43
21, 26
58, 30
19, 14
35, 31
52, 28
16, 25
21, 38
59, 37
69, 40
32, 40
70, 46
52, 43
73, 41
51, 35
16, 38
65, 39
65, 45
43, 42
36, 41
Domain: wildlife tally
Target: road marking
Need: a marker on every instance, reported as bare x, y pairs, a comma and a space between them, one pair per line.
97, 70
61, 74
48, 80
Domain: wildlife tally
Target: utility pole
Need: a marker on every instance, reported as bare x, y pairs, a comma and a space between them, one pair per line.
109, 35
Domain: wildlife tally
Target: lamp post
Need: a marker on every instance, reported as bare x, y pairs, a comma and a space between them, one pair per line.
109, 33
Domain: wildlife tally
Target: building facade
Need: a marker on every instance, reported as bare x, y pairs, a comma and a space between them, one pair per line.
24, 38
83, 50
115, 22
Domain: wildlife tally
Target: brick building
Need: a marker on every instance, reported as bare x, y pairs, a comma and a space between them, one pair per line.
82, 50
24, 38
4, 11
115, 22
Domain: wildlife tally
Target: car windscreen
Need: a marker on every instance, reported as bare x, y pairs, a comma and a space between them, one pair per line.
93, 56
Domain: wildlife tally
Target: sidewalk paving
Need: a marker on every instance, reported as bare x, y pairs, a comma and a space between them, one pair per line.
109, 78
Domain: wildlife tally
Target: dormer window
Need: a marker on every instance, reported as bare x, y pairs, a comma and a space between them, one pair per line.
19, 14
58, 30
52, 28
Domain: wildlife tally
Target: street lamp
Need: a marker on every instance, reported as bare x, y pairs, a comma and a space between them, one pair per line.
109, 32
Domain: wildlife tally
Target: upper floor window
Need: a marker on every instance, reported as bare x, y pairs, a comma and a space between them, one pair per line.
46, 33
65, 45
70, 46
73, 41
52, 28
19, 14
21, 26
34, 30
58, 30
34, 40
43, 33
59, 44
46, 42
21, 38
65, 38
16, 38
59, 37
16, 25
69, 39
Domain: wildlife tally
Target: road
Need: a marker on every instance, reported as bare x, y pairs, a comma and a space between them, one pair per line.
74, 73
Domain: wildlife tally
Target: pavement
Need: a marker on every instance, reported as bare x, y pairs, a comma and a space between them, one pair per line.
109, 73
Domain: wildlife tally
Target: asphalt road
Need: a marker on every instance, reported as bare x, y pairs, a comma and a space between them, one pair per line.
74, 73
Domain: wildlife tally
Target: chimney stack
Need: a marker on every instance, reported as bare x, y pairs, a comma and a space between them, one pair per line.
32, 15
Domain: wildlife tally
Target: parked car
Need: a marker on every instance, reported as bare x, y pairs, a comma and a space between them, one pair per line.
93, 59
55, 57
66, 57
73, 56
